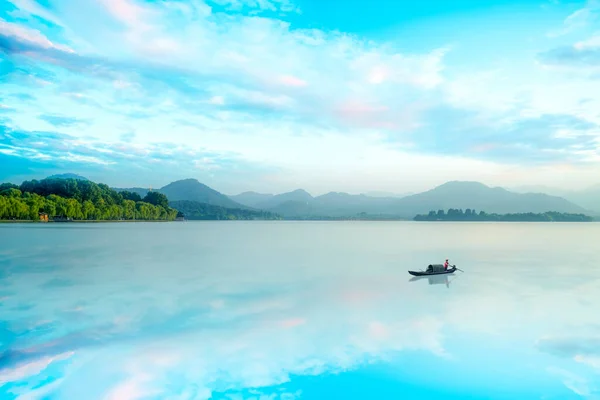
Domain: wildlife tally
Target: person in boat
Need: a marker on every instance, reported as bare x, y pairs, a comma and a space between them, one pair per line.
446, 265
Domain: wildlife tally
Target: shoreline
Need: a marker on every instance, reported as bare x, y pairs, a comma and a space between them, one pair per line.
6, 221
522, 221
96, 221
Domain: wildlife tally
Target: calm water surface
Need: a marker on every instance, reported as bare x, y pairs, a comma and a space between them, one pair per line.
299, 310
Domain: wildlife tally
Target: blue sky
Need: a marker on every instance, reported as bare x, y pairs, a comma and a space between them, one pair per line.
272, 95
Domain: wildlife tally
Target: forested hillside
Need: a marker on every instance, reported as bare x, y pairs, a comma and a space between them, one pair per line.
79, 200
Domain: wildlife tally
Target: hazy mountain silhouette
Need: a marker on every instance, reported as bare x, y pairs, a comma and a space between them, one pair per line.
192, 190
588, 198
475, 195
340, 204
296, 196
454, 194
552, 191
299, 203
386, 194
251, 199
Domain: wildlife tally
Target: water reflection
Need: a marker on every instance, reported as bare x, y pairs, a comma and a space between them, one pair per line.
444, 279
198, 311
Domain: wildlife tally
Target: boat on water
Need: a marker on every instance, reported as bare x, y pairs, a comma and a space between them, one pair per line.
434, 269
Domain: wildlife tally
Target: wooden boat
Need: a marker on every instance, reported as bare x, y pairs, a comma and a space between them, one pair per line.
434, 269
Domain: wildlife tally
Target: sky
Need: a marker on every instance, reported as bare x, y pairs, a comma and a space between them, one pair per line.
275, 95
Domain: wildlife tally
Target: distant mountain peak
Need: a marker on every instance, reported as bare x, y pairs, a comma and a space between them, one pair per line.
476, 195
467, 186
191, 189
186, 180
462, 184
338, 194
298, 194
300, 191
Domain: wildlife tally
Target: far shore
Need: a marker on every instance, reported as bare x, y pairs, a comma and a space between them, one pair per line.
11, 221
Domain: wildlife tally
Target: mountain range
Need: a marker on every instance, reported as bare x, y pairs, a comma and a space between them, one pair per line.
299, 204
455, 194
191, 190
588, 198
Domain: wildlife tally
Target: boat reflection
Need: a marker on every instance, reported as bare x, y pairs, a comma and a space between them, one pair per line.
435, 279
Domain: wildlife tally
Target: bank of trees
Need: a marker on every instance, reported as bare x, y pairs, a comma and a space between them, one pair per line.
472, 215
79, 200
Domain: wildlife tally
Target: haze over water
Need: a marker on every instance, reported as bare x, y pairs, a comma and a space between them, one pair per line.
299, 310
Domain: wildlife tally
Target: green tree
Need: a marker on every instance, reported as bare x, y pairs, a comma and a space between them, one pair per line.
128, 208
5, 186
88, 210
157, 199
127, 195
11, 192
35, 204
78, 199
49, 207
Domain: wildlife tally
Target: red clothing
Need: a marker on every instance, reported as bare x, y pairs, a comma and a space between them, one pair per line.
446, 265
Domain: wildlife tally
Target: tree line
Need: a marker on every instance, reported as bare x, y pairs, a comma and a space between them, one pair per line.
79, 200
472, 215
194, 210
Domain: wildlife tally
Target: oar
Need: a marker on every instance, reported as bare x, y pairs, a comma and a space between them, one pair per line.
458, 268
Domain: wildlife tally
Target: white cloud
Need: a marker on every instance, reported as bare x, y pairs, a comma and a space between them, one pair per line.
85, 159
590, 43
40, 392
218, 100
262, 5
289, 80
484, 91
207, 164
28, 369
8, 151
299, 99
575, 383
381, 66
31, 7
592, 361
135, 387
30, 36
578, 19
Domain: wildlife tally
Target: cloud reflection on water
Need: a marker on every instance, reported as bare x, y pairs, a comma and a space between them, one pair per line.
142, 322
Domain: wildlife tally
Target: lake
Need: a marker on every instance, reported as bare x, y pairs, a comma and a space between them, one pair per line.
299, 310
